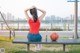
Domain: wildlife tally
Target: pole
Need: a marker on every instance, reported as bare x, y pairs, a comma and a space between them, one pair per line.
75, 19
7, 25
5, 21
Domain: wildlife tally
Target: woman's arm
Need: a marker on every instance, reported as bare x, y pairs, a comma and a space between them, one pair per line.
26, 13
43, 14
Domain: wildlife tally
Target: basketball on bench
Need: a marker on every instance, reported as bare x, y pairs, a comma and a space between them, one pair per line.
54, 36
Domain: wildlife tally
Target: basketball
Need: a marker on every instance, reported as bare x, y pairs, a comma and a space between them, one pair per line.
54, 36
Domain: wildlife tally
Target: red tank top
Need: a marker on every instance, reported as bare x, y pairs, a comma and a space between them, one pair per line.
34, 26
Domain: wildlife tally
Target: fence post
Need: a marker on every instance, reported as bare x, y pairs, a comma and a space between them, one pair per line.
1, 26
10, 34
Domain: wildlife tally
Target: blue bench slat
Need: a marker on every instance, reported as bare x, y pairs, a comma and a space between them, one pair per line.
60, 41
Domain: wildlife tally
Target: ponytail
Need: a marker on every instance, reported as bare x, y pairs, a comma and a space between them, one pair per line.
35, 17
34, 14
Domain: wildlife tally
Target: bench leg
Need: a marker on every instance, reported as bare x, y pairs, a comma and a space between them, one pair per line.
28, 47
64, 47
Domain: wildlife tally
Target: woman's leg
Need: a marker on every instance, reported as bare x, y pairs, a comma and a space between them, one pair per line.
38, 46
38, 39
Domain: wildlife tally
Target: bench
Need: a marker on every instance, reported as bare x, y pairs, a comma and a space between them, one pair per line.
64, 42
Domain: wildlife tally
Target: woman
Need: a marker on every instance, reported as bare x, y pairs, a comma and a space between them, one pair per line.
34, 23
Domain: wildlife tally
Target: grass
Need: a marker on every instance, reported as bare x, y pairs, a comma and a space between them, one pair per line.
5, 38
21, 48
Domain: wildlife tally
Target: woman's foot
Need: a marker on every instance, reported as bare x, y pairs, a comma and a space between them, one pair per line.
38, 47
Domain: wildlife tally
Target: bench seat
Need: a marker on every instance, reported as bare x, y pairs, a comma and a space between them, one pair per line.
60, 41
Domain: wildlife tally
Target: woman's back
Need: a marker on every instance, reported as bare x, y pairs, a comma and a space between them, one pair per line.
34, 26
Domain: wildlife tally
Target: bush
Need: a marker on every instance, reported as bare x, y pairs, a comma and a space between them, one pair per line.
53, 29
43, 29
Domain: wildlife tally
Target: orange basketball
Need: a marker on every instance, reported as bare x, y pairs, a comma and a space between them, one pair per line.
54, 36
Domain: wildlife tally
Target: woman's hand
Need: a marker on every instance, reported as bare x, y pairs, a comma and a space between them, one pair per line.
30, 8
33, 7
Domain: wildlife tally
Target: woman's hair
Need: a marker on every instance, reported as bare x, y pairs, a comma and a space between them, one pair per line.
33, 12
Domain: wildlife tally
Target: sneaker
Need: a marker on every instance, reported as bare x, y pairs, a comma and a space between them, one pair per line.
37, 48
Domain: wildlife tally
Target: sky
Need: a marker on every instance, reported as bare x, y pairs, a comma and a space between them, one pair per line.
60, 8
